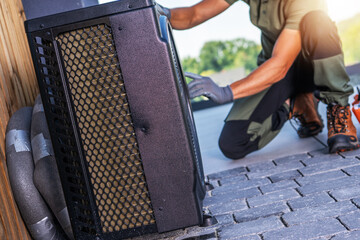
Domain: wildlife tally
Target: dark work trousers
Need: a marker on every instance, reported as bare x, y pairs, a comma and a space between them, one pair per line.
255, 120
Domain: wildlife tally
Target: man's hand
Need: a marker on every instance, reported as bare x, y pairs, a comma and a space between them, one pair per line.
205, 86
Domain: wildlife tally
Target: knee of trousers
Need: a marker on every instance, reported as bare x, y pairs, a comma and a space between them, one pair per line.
235, 149
320, 38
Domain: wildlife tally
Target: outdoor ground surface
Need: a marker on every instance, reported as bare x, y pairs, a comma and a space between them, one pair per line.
291, 189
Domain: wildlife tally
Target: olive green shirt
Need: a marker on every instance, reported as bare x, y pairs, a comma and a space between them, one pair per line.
272, 16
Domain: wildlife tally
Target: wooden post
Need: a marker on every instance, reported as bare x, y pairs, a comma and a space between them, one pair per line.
18, 88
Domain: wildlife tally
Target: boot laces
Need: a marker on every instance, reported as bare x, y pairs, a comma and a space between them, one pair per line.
338, 118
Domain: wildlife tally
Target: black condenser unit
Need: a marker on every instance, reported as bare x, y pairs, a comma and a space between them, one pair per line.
120, 120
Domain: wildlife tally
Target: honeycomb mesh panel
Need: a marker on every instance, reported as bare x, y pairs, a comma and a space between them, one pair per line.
106, 128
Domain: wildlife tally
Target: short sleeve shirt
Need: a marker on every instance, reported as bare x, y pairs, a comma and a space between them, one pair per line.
272, 16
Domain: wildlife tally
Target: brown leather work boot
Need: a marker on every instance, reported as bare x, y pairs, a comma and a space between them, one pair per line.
341, 130
304, 110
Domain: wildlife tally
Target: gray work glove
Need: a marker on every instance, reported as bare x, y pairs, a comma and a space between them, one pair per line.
205, 86
164, 11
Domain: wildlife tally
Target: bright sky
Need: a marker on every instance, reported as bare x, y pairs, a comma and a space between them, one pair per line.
235, 23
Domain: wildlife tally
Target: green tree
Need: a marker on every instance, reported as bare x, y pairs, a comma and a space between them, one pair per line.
216, 56
190, 64
349, 31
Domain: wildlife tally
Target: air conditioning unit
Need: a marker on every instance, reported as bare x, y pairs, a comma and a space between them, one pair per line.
117, 107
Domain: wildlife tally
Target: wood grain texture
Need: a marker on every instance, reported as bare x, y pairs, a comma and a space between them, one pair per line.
18, 88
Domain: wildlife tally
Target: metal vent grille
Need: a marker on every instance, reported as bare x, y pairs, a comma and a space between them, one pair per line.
106, 129
54, 98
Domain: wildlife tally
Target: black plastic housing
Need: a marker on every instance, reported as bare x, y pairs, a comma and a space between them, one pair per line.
120, 120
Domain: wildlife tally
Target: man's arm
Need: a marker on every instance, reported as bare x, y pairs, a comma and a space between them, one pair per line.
188, 17
285, 51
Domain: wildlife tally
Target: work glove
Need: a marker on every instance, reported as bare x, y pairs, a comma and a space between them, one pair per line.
164, 11
205, 86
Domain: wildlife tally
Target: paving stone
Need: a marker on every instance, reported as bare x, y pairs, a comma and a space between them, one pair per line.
316, 213
285, 176
329, 185
233, 180
231, 196
320, 152
346, 193
311, 230
352, 220
225, 219
292, 158
356, 201
354, 153
311, 201
328, 166
278, 169
322, 159
278, 186
228, 207
273, 197
353, 171
321, 177
347, 236
227, 173
240, 186
258, 167
251, 237
251, 214
250, 228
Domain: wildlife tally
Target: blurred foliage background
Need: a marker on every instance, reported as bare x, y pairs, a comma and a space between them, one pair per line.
218, 56
350, 35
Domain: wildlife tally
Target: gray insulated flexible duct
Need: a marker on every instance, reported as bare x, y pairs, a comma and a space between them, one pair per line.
46, 175
34, 210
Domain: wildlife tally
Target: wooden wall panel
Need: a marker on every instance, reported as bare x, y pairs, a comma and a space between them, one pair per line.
18, 88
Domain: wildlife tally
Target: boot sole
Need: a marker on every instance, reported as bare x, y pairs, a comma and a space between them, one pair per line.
342, 143
309, 130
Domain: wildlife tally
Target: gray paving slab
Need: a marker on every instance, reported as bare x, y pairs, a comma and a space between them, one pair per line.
319, 212
231, 197
289, 175
346, 193
321, 177
278, 186
311, 230
347, 236
322, 205
291, 189
351, 220
356, 201
275, 209
352, 171
329, 166
311, 201
290, 166
273, 197
297, 157
329, 185
228, 207
240, 186
250, 228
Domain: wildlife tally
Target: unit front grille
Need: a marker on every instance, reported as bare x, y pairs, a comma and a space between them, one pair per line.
106, 128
